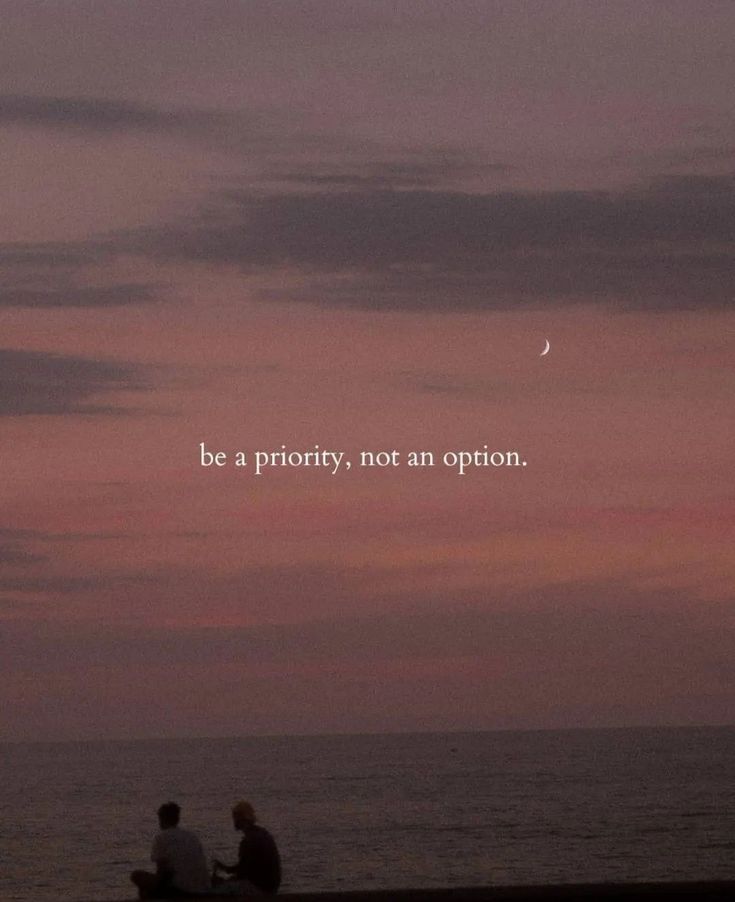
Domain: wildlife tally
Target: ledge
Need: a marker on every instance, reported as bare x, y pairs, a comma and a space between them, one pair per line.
702, 891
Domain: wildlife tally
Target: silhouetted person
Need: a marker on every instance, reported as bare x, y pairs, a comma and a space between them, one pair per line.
181, 868
258, 864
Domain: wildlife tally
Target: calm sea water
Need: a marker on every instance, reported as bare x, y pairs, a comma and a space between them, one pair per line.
379, 811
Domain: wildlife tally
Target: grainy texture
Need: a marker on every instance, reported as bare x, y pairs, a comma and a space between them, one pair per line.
715, 891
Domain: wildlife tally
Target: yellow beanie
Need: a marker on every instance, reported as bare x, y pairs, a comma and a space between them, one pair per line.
244, 810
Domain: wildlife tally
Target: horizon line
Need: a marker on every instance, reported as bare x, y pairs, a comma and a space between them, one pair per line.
363, 733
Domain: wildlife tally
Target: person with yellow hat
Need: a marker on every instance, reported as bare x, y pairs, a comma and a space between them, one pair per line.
258, 863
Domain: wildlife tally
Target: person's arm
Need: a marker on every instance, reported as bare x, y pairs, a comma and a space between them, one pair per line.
227, 868
240, 869
164, 871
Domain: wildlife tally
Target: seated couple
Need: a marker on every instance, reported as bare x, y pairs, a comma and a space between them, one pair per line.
181, 868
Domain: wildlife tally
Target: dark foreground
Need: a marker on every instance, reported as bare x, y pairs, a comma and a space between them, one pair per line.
714, 891
707, 892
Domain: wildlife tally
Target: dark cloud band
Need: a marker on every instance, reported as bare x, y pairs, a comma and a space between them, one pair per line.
664, 246
76, 296
39, 383
98, 114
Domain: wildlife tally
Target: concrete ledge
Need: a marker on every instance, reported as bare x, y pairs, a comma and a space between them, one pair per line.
702, 891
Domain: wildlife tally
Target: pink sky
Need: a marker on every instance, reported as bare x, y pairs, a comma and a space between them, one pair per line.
356, 226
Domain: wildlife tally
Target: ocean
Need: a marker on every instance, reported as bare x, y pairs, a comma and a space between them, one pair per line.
379, 811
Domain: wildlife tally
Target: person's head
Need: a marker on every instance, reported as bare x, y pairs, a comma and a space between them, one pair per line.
243, 815
168, 815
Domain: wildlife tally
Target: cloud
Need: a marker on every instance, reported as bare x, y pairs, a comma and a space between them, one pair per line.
565, 655
415, 169
41, 383
76, 296
566, 629
666, 245
71, 585
51, 255
58, 274
98, 114
254, 133
16, 548
14, 554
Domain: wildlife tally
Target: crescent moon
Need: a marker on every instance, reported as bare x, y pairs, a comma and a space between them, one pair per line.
546, 349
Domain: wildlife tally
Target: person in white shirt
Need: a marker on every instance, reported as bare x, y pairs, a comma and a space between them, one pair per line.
181, 867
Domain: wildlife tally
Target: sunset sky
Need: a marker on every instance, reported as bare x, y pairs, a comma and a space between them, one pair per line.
356, 224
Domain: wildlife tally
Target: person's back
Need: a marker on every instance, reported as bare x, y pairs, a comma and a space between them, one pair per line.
258, 867
258, 859
181, 852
